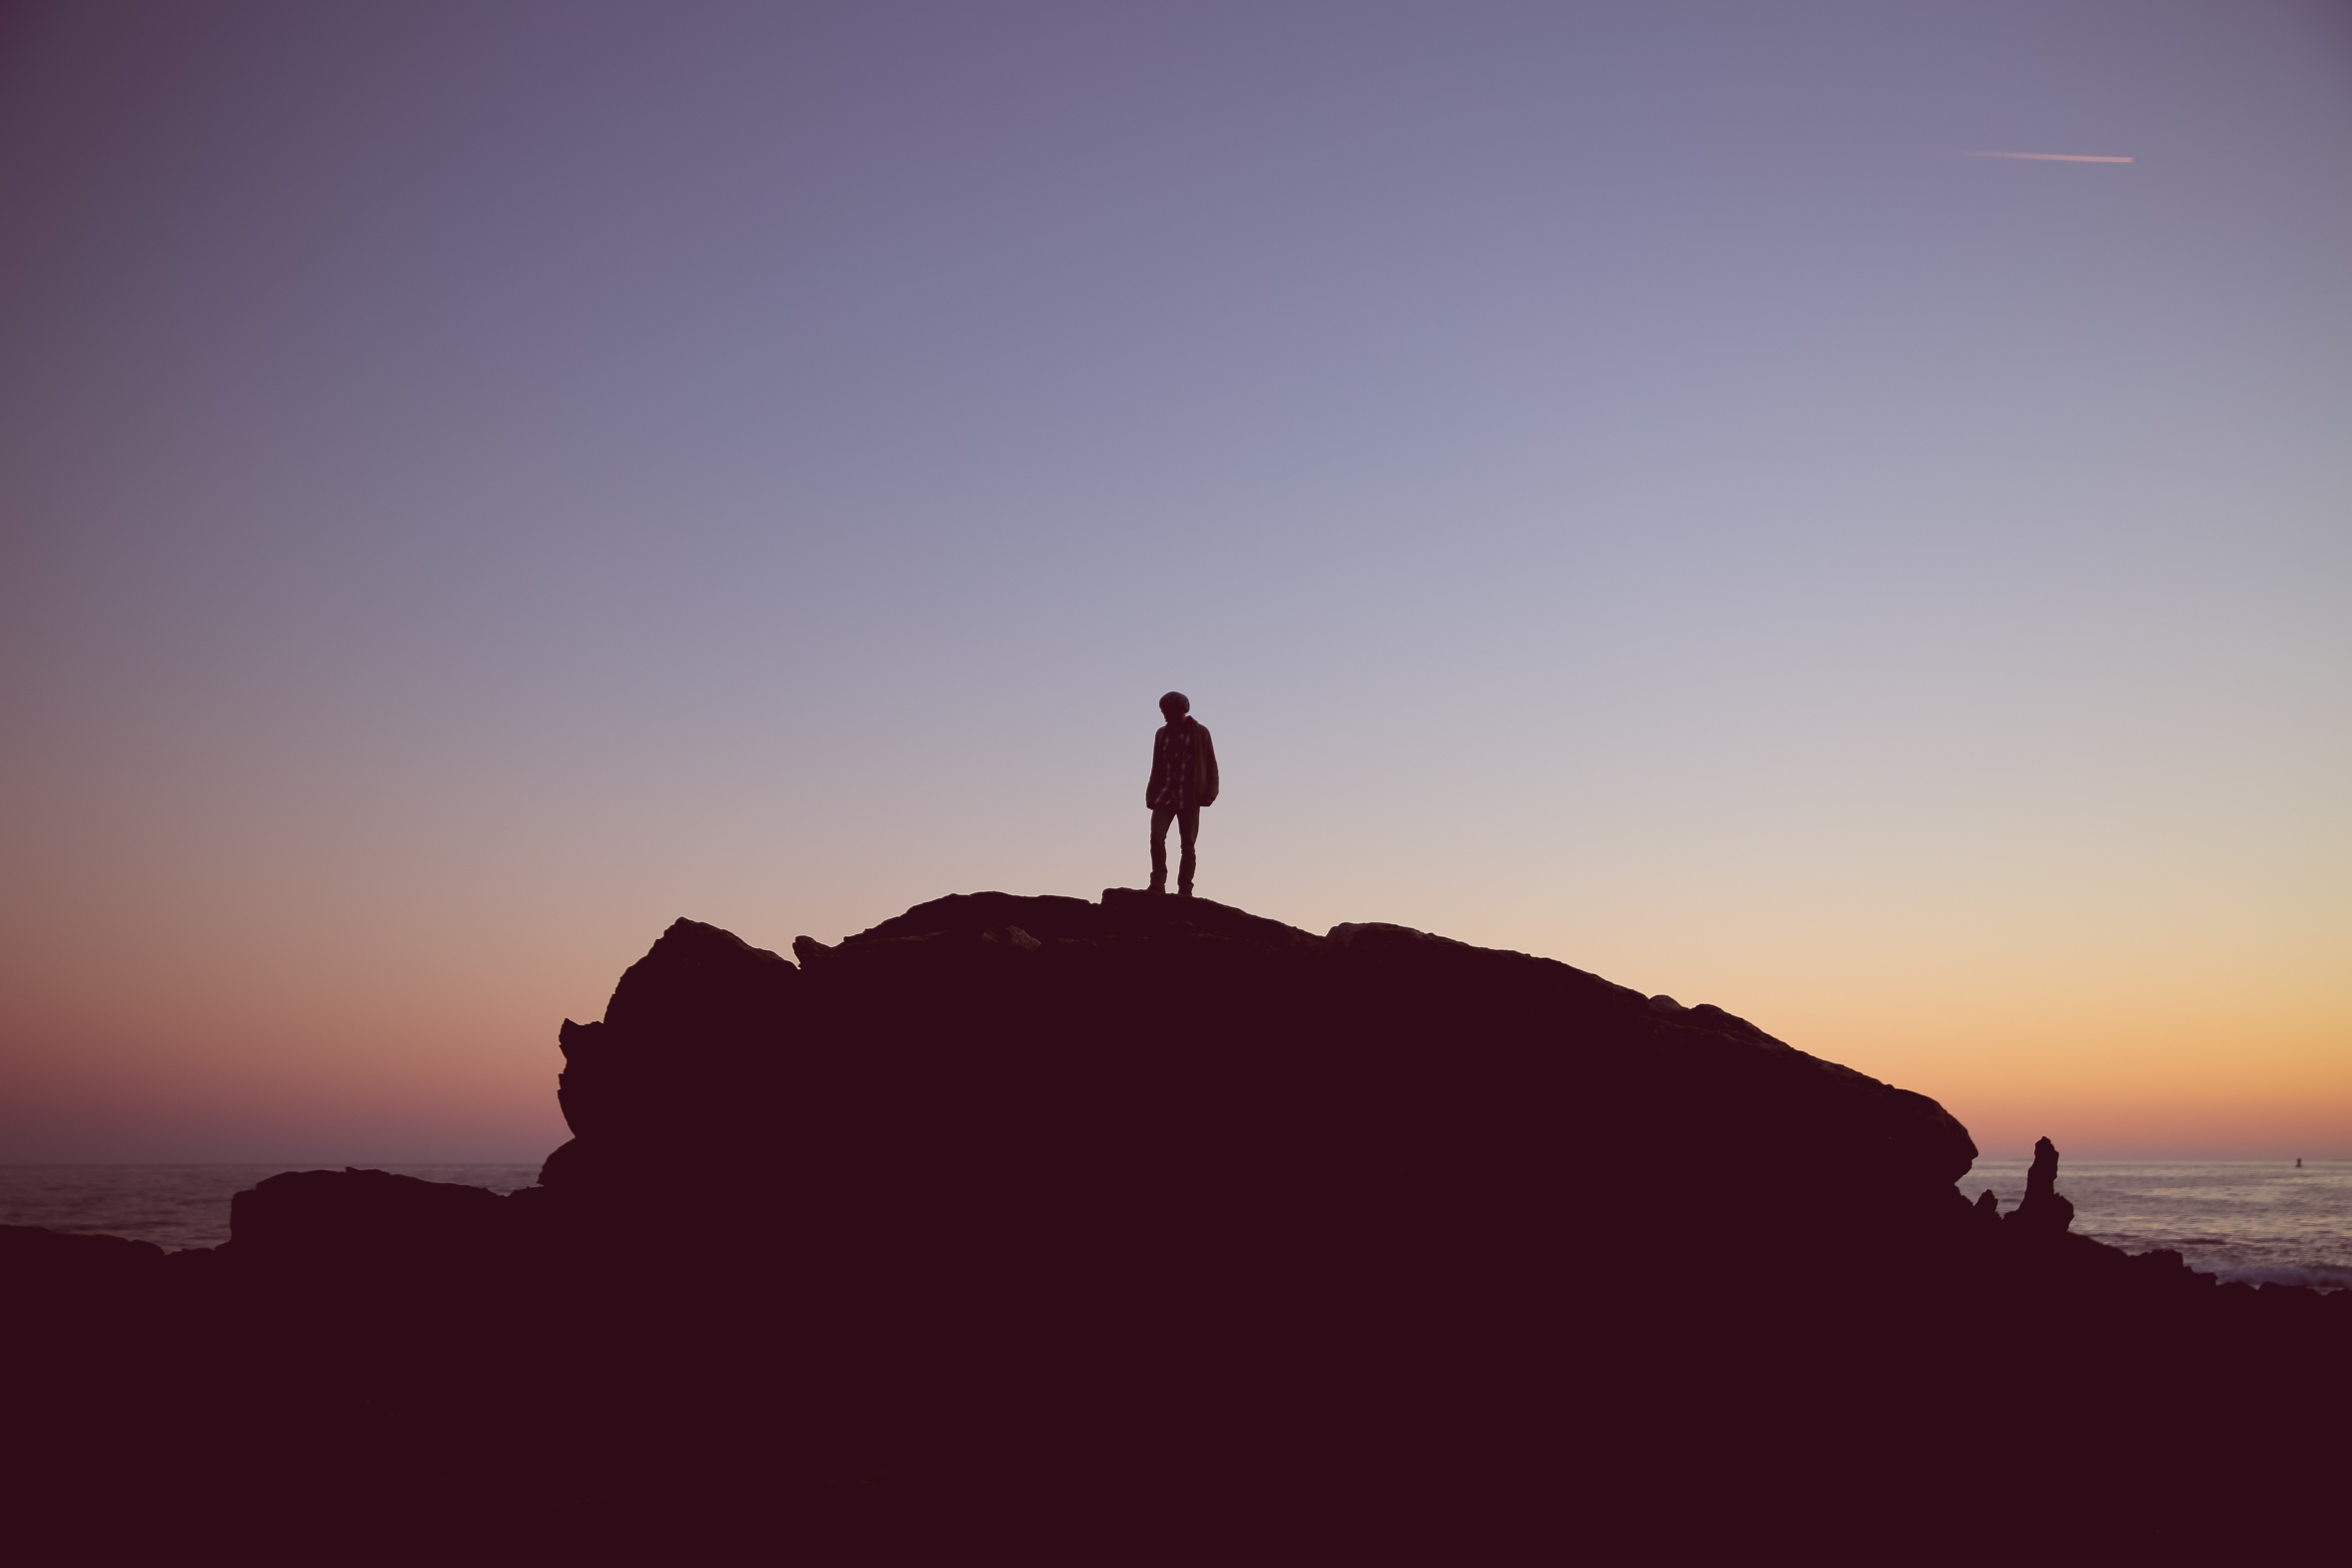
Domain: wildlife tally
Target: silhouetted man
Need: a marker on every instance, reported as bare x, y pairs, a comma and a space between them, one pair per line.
1183, 780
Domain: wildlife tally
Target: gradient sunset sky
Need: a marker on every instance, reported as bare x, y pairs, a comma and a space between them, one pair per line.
481, 481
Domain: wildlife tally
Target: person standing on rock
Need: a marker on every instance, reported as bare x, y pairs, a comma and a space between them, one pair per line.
1183, 780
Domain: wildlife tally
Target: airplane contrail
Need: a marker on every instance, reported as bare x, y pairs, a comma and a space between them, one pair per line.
2050, 157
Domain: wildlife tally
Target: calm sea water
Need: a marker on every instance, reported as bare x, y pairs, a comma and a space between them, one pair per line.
2255, 1221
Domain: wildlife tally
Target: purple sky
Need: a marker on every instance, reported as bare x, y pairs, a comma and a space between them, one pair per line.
481, 481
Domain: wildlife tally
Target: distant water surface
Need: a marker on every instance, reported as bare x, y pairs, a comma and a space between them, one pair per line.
178, 1205
2258, 1222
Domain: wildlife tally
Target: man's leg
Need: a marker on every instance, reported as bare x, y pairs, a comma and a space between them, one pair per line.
1188, 830
1161, 817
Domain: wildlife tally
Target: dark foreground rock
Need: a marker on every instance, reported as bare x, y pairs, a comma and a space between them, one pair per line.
1148, 1229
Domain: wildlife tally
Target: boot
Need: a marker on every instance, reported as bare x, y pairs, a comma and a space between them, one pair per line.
1184, 874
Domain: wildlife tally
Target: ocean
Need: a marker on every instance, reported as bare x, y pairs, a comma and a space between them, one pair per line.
2257, 1221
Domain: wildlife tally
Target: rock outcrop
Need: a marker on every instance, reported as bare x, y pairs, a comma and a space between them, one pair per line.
675, 1087
2043, 1212
368, 1222
60, 1262
1180, 1060
1123, 1218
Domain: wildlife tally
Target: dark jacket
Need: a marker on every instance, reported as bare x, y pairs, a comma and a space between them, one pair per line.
1204, 764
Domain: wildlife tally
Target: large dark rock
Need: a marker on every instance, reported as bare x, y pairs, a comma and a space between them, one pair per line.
1194, 1065
672, 1089
371, 1221
1053, 1180
66, 1261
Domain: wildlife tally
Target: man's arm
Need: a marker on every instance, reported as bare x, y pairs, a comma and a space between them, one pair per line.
1158, 766
1209, 756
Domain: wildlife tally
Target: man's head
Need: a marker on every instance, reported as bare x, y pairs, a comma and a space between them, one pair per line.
1175, 705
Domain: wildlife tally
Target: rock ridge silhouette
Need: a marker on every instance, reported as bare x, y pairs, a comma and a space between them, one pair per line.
1049, 1221
1186, 1018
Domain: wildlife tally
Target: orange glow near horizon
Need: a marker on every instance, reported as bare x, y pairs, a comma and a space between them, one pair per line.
313, 1026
